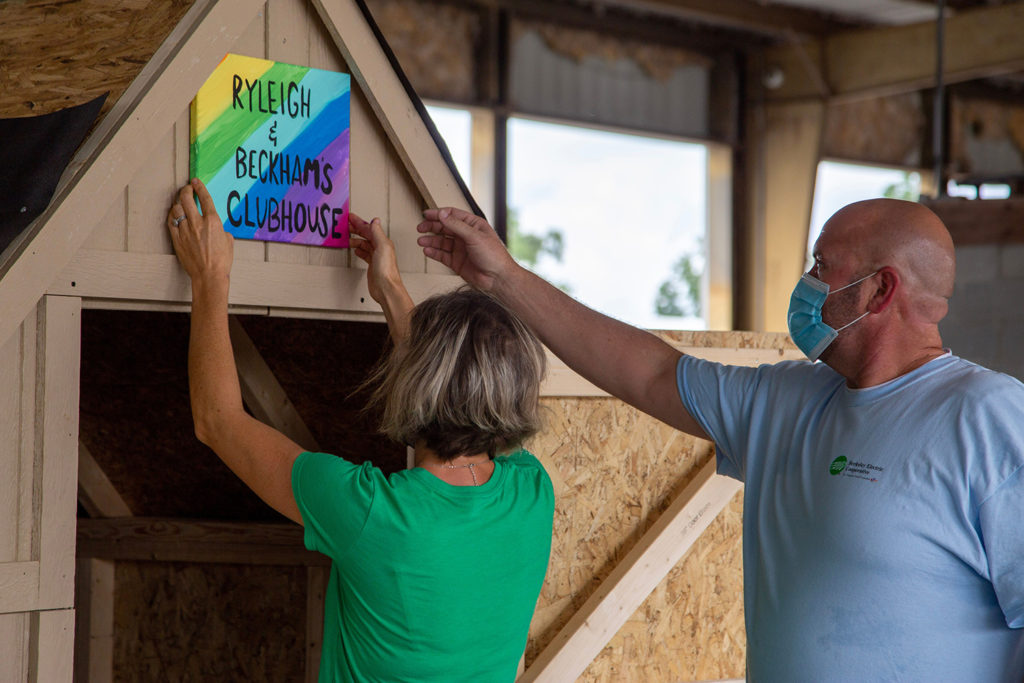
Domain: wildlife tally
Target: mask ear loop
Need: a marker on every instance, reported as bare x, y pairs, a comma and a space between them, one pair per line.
851, 285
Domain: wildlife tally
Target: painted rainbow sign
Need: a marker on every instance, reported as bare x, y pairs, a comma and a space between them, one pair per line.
271, 142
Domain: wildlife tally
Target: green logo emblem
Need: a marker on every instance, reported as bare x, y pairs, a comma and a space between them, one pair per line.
837, 466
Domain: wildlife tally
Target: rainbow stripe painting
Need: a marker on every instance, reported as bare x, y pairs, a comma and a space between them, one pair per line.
271, 142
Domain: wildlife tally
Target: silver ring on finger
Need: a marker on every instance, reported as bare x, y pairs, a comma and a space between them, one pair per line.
178, 220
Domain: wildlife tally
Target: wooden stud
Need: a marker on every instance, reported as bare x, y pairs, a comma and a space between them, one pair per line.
94, 620
370, 161
179, 540
316, 589
95, 492
873, 62
661, 548
288, 41
14, 635
60, 351
324, 55
252, 43
52, 646
262, 393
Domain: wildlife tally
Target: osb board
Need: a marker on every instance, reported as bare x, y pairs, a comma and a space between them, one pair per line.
59, 53
178, 622
621, 470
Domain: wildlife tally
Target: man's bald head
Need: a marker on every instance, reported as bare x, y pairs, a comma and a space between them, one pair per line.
906, 236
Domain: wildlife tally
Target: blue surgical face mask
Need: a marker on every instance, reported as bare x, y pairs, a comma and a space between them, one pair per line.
809, 333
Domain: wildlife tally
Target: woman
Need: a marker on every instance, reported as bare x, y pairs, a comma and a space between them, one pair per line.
435, 570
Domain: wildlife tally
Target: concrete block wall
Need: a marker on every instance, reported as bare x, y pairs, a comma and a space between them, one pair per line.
985, 323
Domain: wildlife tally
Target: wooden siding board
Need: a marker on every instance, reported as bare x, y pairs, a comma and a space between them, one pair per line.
324, 55
111, 233
14, 646
11, 360
60, 351
288, 41
28, 539
114, 152
252, 43
19, 587
53, 646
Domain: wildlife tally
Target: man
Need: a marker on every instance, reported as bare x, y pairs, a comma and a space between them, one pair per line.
884, 486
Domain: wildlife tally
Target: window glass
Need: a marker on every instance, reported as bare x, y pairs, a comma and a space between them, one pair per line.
455, 126
616, 220
839, 184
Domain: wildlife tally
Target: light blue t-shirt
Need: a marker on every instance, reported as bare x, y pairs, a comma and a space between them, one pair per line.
883, 528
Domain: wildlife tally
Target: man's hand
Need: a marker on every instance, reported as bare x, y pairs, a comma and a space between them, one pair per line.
466, 244
203, 247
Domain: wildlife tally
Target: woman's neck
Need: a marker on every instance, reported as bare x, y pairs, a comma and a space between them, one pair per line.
462, 470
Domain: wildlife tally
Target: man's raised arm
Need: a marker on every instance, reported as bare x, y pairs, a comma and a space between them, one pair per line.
627, 362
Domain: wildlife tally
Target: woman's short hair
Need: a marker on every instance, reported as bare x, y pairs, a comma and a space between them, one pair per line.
466, 381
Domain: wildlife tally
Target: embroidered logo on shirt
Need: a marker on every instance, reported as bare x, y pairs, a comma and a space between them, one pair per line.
859, 470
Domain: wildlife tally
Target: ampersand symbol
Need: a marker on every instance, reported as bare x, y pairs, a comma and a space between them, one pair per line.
273, 133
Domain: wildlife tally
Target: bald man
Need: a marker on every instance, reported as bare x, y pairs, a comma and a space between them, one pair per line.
883, 524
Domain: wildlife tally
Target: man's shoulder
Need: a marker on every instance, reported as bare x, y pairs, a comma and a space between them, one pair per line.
977, 379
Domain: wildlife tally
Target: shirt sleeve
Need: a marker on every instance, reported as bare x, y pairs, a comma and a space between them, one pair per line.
1000, 516
334, 497
718, 397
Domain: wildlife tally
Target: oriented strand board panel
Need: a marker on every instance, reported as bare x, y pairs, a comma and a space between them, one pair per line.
621, 470
59, 53
209, 622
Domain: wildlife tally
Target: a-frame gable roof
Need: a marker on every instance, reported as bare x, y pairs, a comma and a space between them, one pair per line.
125, 138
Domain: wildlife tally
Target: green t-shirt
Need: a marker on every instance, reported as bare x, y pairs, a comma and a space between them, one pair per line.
429, 581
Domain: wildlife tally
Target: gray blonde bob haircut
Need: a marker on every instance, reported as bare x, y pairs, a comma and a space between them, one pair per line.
466, 381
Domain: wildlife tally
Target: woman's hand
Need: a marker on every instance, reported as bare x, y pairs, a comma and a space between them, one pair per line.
378, 251
383, 278
203, 247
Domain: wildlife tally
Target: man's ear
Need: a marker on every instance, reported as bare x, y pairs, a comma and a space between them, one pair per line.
886, 281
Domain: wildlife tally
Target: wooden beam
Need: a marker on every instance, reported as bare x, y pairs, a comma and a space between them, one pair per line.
774, 20
95, 492
94, 620
113, 154
884, 61
981, 221
180, 540
633, 579
316, 589
121, 276
57, 390
262, 392
785, 148
383, 89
